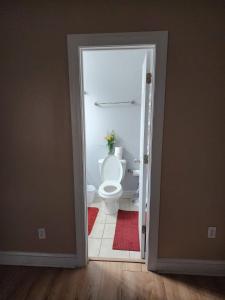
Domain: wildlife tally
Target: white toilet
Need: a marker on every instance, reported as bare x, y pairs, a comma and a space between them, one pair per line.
112, 171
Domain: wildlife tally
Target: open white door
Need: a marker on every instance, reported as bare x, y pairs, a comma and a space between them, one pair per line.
144, 151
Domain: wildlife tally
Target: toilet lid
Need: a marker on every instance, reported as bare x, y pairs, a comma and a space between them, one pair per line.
111, 169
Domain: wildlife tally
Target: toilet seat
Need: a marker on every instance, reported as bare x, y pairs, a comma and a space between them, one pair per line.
110, 189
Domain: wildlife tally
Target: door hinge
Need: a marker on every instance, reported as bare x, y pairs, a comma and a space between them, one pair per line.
143, 229
145, 158
148, 78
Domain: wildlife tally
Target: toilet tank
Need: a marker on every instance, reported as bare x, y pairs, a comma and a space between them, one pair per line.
123, 163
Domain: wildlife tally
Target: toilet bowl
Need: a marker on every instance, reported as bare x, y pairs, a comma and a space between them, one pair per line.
110, 190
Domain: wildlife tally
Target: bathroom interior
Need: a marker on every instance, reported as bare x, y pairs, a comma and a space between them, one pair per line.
112, 93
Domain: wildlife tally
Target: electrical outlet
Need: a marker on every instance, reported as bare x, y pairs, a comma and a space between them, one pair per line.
41, 233
211, 232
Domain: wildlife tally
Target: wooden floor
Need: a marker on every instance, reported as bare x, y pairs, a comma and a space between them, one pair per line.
104, 280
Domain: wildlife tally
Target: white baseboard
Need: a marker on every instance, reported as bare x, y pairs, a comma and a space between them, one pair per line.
38, 259
163, 265
191, 266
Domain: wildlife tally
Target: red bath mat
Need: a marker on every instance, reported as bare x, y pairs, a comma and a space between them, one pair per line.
92, 215
126, 234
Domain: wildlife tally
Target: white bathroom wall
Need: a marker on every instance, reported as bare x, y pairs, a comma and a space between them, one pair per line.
109, 76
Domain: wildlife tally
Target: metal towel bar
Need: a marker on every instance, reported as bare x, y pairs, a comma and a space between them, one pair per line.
114, 103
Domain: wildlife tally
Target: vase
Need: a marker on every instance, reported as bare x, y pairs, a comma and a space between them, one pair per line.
110, 148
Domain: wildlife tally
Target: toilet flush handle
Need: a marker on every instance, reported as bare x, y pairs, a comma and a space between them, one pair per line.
137, 161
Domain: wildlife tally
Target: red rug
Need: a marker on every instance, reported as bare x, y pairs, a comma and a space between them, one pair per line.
92, 215
126, 234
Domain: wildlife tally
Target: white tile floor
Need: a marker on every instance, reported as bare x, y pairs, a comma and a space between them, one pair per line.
101, 238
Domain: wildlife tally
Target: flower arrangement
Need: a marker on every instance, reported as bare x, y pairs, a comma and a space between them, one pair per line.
111, 140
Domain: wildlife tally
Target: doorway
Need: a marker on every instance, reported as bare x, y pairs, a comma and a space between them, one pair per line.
117, 84
153, 72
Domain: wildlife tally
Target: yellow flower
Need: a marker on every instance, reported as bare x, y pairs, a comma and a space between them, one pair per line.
110, 137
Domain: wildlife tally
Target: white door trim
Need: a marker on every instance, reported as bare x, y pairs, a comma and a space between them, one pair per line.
136, 40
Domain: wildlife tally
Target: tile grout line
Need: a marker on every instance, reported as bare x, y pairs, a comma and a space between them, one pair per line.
101, 240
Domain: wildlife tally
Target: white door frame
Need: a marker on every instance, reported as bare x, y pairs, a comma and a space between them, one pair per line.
145, 142
76, 42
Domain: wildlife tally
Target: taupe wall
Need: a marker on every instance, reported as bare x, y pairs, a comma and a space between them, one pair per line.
36, 168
